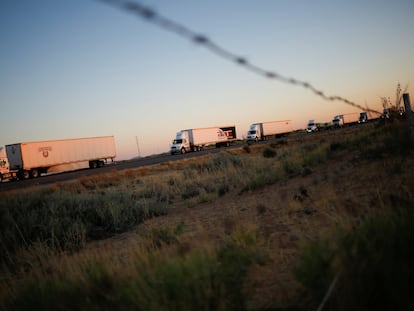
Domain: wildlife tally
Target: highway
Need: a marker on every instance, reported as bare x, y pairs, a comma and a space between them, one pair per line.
123, 165
157, 159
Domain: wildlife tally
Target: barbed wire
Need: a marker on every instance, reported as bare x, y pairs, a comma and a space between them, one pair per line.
150, 15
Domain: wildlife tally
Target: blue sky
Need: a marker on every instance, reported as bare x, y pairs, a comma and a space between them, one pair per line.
85, 68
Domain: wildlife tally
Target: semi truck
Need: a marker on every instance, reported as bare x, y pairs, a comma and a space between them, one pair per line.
365, 117
314, 126
345, 119
31, 159
265, 130
196, 139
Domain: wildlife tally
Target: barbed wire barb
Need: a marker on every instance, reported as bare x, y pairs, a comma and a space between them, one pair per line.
150, 15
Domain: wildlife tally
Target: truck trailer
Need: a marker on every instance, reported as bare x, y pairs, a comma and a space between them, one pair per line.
198, 138
31, 159
365, 117
265, 130
345, 119
314, 126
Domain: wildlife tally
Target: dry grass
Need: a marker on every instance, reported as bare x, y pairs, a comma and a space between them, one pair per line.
307, 191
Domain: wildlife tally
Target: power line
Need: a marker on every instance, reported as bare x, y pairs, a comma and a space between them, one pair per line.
150, 15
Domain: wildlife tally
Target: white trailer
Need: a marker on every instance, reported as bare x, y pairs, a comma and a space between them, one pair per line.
30, 159
264, 130
345, 119
198, 138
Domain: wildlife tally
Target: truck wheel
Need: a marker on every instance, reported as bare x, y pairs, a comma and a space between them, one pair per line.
25, 174
93, 164
34, 173
182, 150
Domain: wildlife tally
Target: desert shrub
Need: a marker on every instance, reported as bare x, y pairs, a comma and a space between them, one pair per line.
66, 220
164, 235
394, 139
201, 279
337, 146
292, 167
269, 153
316, 156
373, 265
221, 161
399, 139
190, 190
257, 181
309, 147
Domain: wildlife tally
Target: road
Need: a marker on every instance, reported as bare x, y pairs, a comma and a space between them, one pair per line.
133, 164
124, 165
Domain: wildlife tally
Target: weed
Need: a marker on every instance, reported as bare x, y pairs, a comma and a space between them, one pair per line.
336, 146
269, 153
223, 189
261, 209
291, 167
191, 190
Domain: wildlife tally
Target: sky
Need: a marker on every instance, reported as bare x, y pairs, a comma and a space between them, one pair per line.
83, 68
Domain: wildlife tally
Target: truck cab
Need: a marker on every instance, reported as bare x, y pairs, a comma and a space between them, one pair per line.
312, 127
338, 121
5, 172
4, 163
363, 117
181, 143
254, 133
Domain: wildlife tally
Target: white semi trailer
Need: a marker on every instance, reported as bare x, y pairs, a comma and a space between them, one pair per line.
198, 138
264, 130
30, 159
345, 119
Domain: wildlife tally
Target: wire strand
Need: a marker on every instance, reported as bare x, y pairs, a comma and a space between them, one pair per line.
150, 15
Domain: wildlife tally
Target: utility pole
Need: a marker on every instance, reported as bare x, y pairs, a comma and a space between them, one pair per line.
139, 152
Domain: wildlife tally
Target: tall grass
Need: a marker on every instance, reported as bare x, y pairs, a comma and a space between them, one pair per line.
63, 218
66, 216
205, 278
373, 263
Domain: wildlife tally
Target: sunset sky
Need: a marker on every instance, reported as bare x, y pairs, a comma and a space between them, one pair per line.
72, 68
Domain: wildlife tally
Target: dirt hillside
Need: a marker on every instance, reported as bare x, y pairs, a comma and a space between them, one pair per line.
340, 193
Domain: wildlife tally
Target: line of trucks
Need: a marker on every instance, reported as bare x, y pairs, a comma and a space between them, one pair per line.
198, 138
340, 121
31, 159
